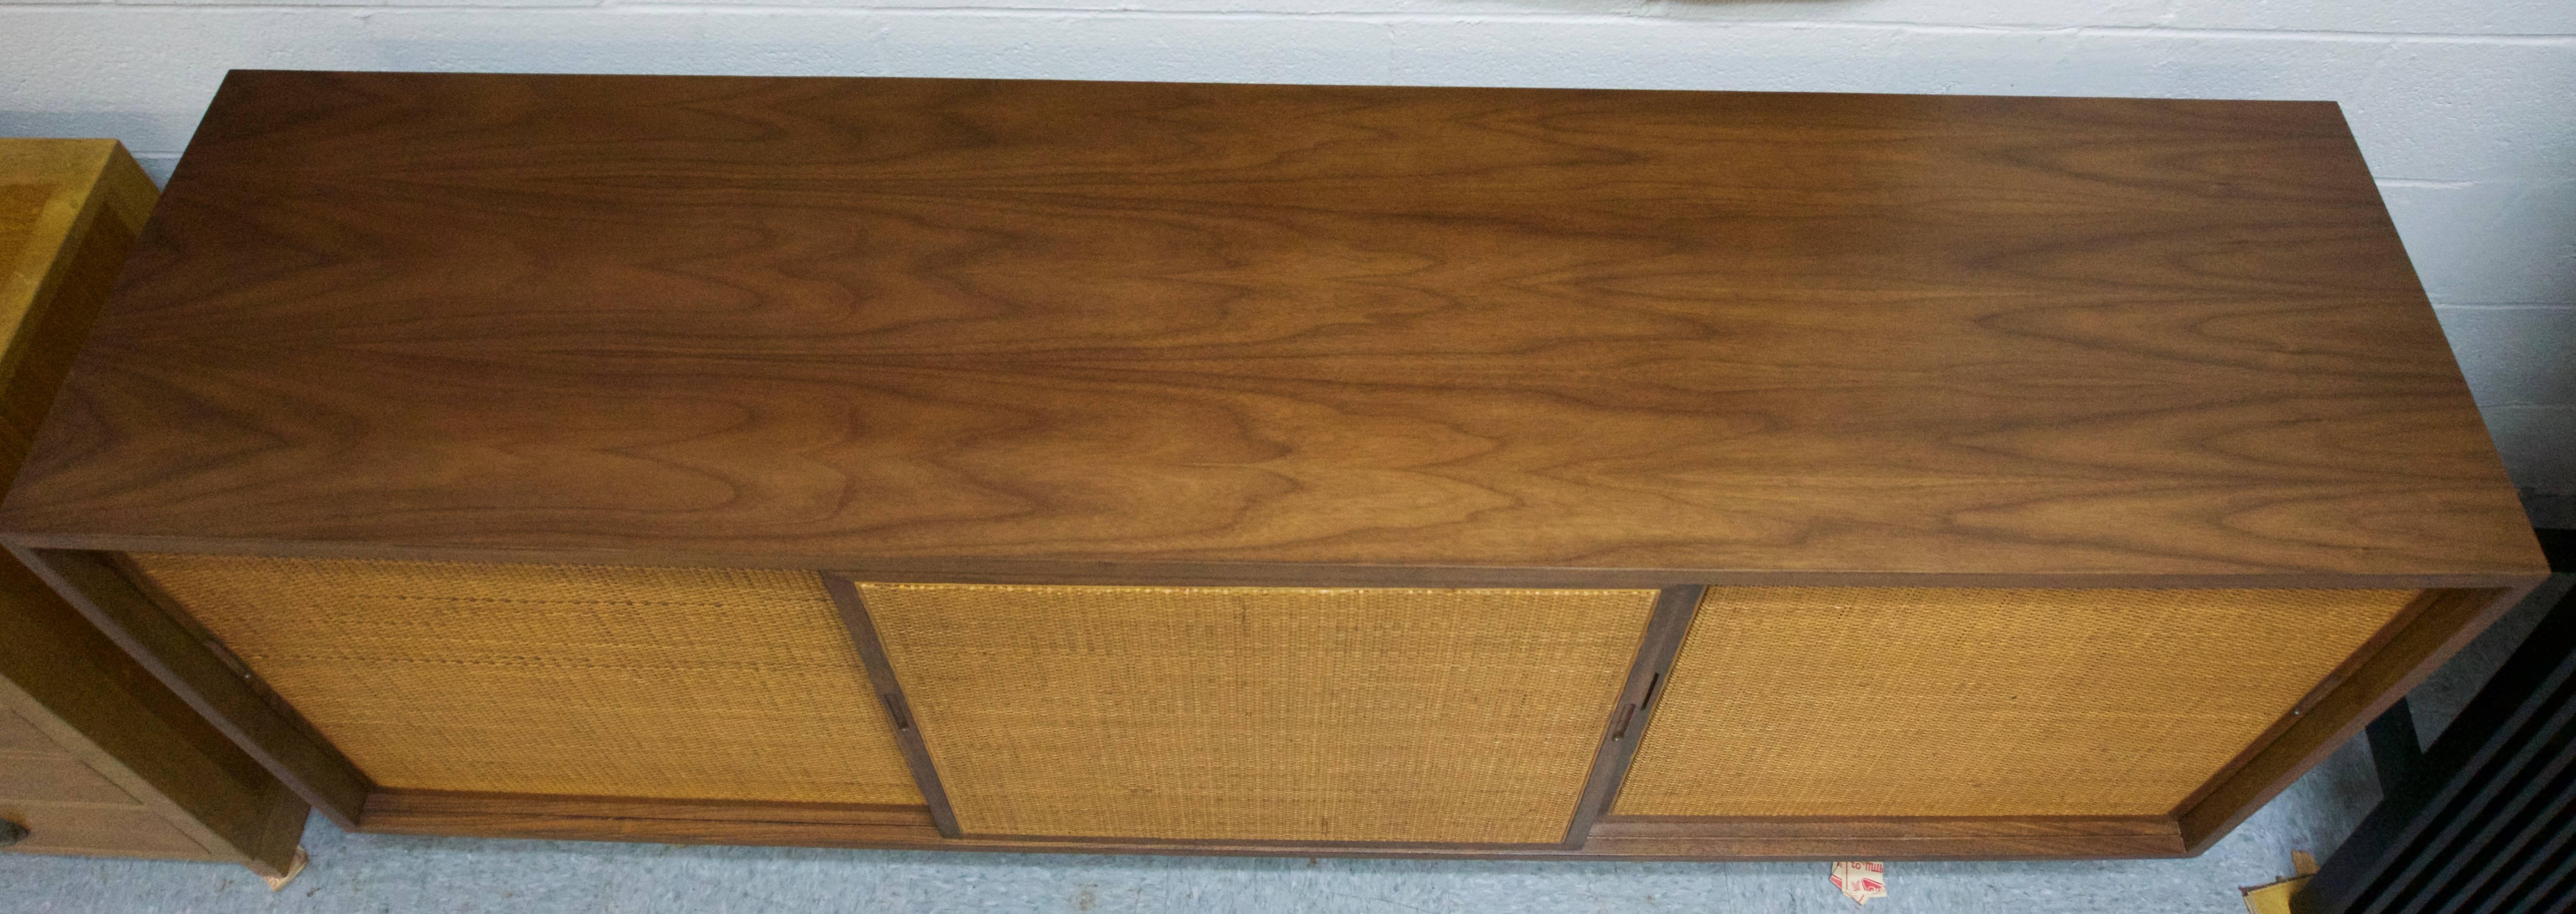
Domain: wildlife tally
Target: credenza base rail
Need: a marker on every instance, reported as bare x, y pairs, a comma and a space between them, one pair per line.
1613, 838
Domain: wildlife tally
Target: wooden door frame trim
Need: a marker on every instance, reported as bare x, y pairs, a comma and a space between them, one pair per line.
1216, 573
77, 748
2414, 644
2370, 647
1669, 624
149, 631
1613, 838
889, 689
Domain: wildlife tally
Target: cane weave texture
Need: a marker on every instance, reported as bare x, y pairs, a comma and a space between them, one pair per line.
1284, 714
1980, 702
640, 682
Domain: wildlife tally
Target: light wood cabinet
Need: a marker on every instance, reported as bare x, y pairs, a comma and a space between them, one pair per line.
96, 756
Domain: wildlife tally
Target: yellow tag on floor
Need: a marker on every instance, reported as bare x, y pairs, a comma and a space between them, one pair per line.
2275, 898
1861, 881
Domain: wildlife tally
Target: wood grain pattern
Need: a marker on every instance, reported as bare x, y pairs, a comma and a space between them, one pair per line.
69, 214
53, 196
1134, 334
171, 783
58, 780
680, 822
1341, 328
19, 736
67, 828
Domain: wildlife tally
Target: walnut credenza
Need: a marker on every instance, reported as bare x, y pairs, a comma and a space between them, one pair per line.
1273, 469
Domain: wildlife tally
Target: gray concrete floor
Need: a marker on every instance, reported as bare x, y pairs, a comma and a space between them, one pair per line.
375, 873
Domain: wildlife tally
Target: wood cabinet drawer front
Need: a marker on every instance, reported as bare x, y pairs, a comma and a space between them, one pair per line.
56, 828
56, 779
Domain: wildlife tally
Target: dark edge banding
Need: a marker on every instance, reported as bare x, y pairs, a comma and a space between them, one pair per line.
908, 827
177, 613
128, 615
907, 730
2445, 622
1158, 572
1626, 728
2333, 680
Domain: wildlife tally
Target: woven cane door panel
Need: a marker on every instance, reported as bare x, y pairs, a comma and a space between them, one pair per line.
1279, 714
638, 682
1966, 702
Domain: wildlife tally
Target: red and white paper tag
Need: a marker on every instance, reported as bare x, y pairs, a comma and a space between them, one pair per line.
1861, 881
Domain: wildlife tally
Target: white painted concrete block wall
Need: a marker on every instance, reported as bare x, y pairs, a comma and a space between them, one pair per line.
2465, 108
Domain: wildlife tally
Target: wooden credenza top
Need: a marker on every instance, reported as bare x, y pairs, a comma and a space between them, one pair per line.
1560, 335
